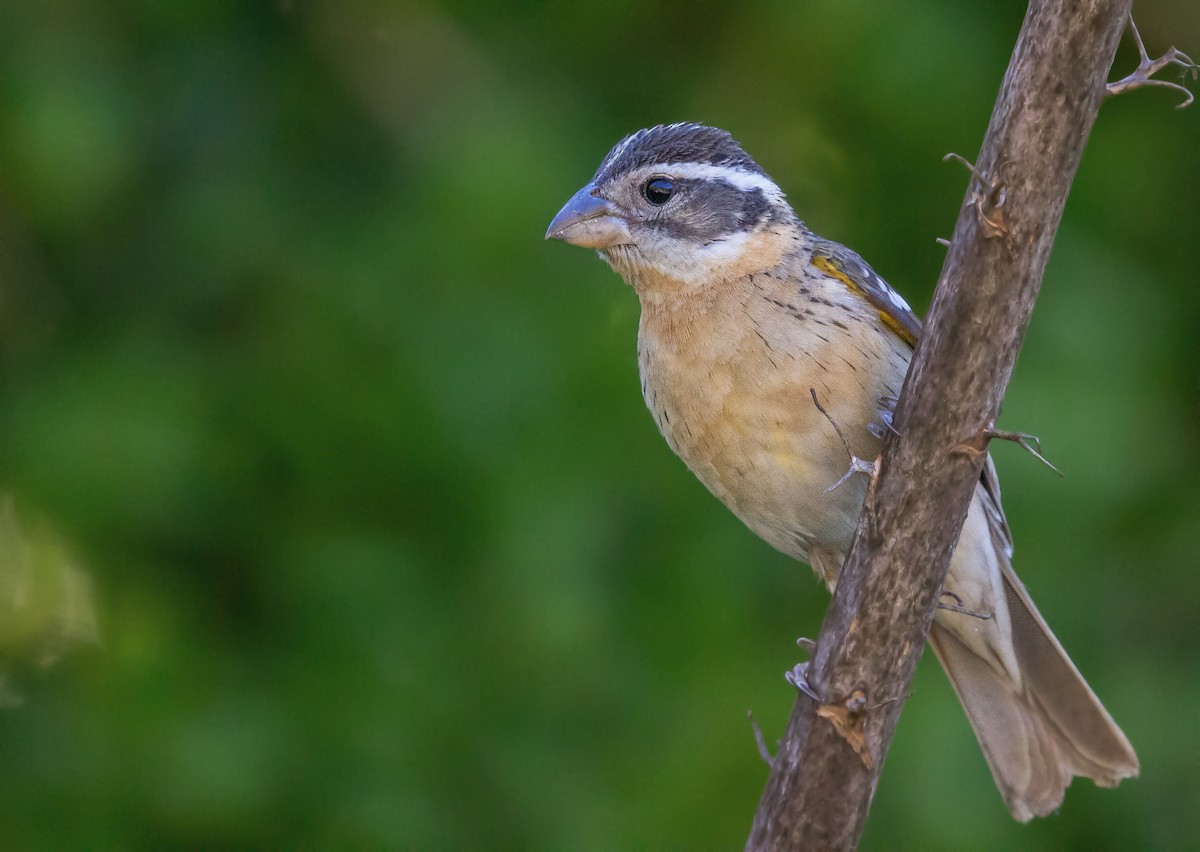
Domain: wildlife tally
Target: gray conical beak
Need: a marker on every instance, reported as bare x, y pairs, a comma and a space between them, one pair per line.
589, 221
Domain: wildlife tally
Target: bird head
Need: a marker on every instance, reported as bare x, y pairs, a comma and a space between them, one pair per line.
680, 201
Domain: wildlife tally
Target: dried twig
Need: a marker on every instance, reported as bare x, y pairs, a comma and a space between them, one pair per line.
1143, 75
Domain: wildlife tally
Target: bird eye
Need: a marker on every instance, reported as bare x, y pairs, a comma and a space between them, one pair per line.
658, 191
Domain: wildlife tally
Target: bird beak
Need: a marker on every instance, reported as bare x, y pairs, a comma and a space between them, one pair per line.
589, 221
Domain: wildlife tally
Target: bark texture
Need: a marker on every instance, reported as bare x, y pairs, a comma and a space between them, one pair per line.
820, 786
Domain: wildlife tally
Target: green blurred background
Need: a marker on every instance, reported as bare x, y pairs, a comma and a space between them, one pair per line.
383, 548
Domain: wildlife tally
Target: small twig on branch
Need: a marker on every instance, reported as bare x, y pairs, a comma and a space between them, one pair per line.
1143, 75
989, 202
763, 751
857, 465
960, 608
1032, 444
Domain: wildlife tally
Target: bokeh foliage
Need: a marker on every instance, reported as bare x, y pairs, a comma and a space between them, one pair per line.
385, 551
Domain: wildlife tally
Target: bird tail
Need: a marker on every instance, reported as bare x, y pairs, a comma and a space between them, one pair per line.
1038, 722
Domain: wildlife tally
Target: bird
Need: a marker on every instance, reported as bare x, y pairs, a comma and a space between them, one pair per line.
768, 357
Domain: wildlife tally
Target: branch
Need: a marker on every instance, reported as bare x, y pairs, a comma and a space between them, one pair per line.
827, 767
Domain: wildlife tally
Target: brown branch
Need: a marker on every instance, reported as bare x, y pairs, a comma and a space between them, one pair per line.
821, 784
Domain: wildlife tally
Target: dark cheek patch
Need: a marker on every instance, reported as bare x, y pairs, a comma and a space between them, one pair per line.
710, 210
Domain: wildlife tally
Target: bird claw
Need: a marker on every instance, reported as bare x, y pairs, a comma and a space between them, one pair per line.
848, 716
887, 418
798, 677
1143, 75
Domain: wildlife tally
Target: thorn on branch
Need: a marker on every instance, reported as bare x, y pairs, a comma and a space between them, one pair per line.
1143, 75
988, 202
857, 465
763, 751
977, 446
958, 607
1032, 444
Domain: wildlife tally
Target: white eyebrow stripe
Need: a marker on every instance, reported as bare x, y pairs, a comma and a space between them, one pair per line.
741, 178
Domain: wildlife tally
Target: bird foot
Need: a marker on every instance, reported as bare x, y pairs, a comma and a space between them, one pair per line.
798, 676
887, 418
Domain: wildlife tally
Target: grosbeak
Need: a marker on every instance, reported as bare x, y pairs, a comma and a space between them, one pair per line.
769, 357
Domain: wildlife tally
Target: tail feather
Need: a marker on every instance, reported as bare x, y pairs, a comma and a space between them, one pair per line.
1097, 746
1022, 756
1038, 722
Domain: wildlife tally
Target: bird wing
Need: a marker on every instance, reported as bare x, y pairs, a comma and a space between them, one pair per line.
839, 262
